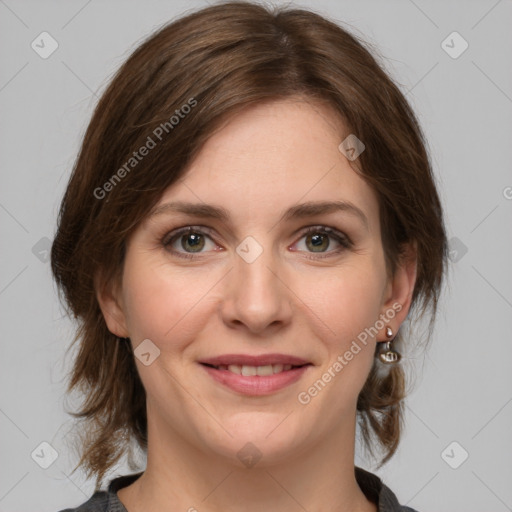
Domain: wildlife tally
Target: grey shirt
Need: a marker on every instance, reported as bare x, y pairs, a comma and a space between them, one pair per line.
370, 484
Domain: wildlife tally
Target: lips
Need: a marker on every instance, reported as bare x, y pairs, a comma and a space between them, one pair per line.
255, 375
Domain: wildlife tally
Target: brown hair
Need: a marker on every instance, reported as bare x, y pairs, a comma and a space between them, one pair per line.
217, 61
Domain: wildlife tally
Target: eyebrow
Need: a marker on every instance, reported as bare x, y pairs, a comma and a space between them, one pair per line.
300, 211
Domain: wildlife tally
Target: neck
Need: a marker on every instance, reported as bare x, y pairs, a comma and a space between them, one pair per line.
179, 476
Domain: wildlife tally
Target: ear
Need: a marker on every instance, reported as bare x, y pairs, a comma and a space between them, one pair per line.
109, 296
400, 287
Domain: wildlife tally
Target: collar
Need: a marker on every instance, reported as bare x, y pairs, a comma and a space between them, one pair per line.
371, 485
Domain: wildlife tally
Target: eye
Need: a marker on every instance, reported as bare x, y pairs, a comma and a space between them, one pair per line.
191, 239
319, 238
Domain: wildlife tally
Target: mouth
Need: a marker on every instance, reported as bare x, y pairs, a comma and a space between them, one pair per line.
255, 375
251, 371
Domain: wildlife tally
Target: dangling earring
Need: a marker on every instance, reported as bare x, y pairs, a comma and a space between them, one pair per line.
387, 354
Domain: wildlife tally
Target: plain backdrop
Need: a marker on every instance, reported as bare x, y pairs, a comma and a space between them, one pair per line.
457, 446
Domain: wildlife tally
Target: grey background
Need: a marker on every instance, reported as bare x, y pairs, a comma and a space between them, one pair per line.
463, 388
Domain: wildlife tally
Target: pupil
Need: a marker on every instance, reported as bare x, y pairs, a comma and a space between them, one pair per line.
193, 240
318, 241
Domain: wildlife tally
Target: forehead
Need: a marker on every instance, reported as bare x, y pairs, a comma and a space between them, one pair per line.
272, 156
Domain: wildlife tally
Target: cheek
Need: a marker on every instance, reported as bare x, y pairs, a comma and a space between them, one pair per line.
164, 306
348, 304
348, 301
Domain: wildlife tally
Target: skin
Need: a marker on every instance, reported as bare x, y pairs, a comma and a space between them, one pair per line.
290, 300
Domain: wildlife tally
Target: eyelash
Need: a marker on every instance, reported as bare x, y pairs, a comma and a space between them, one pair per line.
341, 238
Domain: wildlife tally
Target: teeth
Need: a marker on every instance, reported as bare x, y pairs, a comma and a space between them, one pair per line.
234, 368
277, 368
264, 370
250, 371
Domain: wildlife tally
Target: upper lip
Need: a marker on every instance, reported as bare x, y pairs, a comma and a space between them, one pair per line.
248, 360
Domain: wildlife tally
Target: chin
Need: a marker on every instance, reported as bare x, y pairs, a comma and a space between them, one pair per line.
257, 441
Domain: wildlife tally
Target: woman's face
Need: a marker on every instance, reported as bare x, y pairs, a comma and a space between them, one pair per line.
252, 291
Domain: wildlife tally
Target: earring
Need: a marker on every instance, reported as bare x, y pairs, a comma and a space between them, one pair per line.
387, 354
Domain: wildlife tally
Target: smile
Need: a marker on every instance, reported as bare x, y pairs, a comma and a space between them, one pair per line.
255, 375
250, 371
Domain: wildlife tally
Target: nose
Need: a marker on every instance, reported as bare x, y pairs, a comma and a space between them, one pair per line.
257, 297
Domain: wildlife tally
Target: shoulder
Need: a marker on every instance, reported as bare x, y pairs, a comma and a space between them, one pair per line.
99, 502
106, 501
376, 491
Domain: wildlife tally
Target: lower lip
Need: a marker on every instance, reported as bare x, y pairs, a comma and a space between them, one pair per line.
256, 385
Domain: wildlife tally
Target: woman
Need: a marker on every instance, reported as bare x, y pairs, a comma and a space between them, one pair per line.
251, 219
